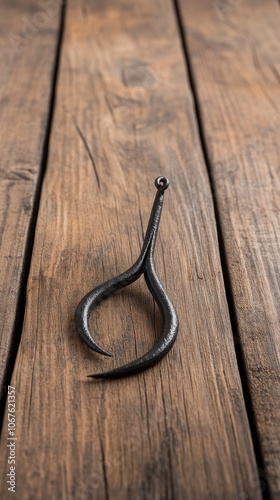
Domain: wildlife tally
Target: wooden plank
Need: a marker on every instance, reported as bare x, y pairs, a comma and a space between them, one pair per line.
234, 53
26, 72
124, 114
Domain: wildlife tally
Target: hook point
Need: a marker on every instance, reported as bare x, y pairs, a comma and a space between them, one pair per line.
107, 354
98, 349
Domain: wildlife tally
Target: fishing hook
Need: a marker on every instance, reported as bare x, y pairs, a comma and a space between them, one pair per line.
144, 264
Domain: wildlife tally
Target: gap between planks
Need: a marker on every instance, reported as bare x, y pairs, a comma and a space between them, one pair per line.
27, 256
223, 255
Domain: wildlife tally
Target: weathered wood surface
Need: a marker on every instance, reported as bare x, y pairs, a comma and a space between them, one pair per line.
234, 54
124, 114
26, 72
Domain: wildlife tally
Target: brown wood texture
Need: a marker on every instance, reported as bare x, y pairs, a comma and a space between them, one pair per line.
26, 70
234, 53
124, 114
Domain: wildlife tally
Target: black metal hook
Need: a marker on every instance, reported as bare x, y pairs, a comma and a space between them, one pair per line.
144, 264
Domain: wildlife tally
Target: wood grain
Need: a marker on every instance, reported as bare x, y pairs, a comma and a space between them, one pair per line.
26, 70
236, 66
124, 115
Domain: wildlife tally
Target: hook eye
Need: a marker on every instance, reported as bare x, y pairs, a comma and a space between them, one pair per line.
161, 183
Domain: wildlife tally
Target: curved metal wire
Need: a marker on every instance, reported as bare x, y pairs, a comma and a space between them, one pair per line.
144, 264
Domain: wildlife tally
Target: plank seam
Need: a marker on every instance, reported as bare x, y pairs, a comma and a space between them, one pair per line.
223, 257
28, 250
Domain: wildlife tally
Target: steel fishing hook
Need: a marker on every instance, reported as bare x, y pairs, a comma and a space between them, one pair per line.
144, 264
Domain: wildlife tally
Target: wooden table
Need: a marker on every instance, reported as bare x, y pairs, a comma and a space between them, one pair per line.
97, 99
